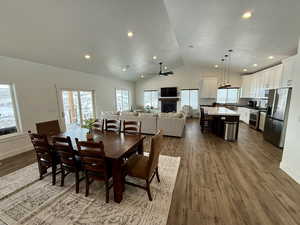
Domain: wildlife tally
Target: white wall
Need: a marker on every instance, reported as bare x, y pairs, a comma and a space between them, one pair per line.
291, 154
184, 78
37, 98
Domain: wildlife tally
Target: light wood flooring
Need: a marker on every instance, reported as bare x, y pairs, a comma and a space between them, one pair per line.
222, 183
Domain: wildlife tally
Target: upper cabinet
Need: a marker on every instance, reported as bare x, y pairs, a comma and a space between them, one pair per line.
254, 85
288, 72
208, 87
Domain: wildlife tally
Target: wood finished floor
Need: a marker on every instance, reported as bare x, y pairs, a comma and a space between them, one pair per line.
222, 183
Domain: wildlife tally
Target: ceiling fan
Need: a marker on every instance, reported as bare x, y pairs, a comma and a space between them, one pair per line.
164, 73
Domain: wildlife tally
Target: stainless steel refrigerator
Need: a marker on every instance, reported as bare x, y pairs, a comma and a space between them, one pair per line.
277, 115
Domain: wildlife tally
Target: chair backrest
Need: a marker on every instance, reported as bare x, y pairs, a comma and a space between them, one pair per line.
92, 156
41, 147
113, 125
132, 126
64, 148
202, 114
156, 146
48, 128
98, 125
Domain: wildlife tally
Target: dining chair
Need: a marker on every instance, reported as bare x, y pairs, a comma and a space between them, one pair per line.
98, 125
95, 164
144, 167
48, 128
46, 157
113, 125
132, 127
205, 121
69, 160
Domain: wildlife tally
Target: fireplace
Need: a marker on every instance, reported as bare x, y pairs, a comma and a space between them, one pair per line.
168, 106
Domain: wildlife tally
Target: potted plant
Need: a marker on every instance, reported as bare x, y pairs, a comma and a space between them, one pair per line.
88, 124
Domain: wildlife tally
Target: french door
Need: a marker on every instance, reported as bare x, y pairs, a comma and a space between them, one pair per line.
78, 106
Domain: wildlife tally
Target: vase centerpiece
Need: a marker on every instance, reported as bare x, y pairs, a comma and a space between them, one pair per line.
88, 124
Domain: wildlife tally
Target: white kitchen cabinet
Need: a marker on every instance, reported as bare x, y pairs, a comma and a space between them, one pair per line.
246, 86
277, 72
262, 120
209, 87
254, 85
244, 114
288, 71
260, 90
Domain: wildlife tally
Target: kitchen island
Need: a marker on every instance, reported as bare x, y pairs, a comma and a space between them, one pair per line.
224, 122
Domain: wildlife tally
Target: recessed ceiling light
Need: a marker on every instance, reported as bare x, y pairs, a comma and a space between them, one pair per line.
166, 67
245, 70
247, 15
124, 69
142, 76
255, 65
216, 66
87, 56
130, 34
271, 57
154, 57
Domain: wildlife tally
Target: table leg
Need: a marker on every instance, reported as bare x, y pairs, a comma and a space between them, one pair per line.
118, 183
141, 148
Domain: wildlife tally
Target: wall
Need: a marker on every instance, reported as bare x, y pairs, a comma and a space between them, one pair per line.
37, 97
291, 154
183, 78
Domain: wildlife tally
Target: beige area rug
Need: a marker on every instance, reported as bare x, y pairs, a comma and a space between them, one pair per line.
40, 203
17, 180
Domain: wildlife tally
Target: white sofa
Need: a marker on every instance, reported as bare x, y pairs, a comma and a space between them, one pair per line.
172, 124
148, 120
110, 115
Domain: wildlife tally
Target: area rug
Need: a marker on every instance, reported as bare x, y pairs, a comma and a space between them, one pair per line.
41, 203
17, 180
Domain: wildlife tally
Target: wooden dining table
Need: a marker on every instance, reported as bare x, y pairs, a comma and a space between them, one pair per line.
116, 147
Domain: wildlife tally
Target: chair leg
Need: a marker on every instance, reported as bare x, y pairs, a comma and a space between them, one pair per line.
41, 170
77, 181
87, 185
53, 174
157, 175
107, 191
62, 182
148, 190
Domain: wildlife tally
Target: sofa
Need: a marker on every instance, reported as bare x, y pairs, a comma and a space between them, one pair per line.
173, 124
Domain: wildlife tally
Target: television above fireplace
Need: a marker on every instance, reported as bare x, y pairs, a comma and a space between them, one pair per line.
168, 92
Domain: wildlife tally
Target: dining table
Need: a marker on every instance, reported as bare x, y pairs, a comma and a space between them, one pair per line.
117, 145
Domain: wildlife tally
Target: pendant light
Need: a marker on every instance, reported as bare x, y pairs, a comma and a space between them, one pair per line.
221, 84
230, 51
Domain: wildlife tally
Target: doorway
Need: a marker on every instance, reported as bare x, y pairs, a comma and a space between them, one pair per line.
78, 106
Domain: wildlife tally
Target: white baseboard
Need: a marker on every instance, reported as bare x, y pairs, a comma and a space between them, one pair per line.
16, 152
292, 173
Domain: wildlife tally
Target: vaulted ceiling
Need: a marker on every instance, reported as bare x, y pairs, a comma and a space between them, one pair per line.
189, 32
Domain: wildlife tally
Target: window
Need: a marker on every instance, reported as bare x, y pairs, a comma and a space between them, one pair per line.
8, 119
189, 97
151, 99
122, 100
228, 95
78, 106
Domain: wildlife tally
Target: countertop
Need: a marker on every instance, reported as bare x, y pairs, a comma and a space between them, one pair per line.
219, 111
238, 105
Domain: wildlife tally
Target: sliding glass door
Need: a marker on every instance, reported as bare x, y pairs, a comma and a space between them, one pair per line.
78, 106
